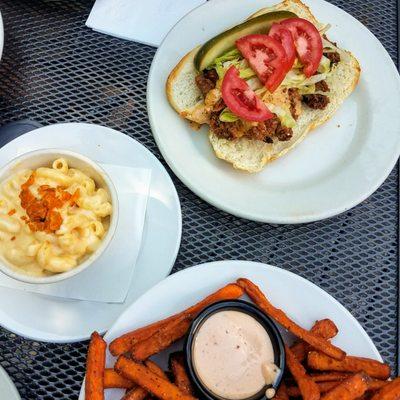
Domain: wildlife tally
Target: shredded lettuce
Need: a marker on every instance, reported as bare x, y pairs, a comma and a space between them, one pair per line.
324, 65
221, 63
296, 79
255, 84
246, 73
260, 91
297, 64
228, 56
232, 57
324, 29
293, 79
228, 116
314, 79
220, 70
310, 89
284, 115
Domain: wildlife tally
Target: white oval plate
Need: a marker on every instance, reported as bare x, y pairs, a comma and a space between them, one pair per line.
57, 320
333, 169
300, 299
7, 388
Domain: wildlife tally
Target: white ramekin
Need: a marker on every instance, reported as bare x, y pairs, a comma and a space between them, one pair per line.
44, 158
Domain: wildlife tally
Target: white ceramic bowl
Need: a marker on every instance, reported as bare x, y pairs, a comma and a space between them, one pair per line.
45, 157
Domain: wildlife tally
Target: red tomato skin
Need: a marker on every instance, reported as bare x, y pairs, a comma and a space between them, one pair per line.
305, 35
283, 35
241, 99
267, 58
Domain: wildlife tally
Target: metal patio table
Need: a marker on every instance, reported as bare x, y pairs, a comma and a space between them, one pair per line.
54, 69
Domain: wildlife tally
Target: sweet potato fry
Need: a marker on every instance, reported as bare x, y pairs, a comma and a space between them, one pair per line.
350, 389
294, 391
138, 393
153, 367
326, 386
365, 396
95, 366
279, 316
181, 378
165, 336
391, 391
373, 368
330, 376
373, 386
142, 376
377, 384
125, 342
324, 328
282, 393
308, 388
114, 380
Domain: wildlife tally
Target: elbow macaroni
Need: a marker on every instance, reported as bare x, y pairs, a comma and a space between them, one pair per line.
84, 222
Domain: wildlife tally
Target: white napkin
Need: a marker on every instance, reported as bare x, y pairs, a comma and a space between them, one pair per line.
108, 279
144, 21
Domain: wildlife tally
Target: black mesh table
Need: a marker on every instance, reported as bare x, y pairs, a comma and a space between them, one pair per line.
54, 69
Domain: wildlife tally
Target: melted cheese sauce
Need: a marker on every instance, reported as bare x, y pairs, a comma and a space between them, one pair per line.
233, 355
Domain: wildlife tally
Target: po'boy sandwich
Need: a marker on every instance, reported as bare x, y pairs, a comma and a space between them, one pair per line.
261, 86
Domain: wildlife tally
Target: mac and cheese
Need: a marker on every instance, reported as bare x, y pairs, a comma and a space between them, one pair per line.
51, 219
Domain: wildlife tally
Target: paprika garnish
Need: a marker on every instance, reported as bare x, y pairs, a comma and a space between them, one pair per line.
41, 212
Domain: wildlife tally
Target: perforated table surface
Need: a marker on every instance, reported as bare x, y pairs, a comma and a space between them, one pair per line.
54, 69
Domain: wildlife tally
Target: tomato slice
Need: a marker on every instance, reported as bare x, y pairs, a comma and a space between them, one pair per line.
241, 99
267, 58
283, 35
308, 43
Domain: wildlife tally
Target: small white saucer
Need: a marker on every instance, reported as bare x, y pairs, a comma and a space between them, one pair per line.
7, 388
59, 320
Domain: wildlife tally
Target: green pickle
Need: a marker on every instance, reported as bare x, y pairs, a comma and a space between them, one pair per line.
225, 41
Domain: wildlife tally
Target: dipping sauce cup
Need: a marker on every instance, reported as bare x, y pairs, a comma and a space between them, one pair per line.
234, 352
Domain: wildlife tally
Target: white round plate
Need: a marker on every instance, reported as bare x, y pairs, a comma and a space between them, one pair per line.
335, 168
299, 298
7, 388
57, 320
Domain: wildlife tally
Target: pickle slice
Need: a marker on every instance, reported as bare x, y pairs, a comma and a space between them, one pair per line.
225, 41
